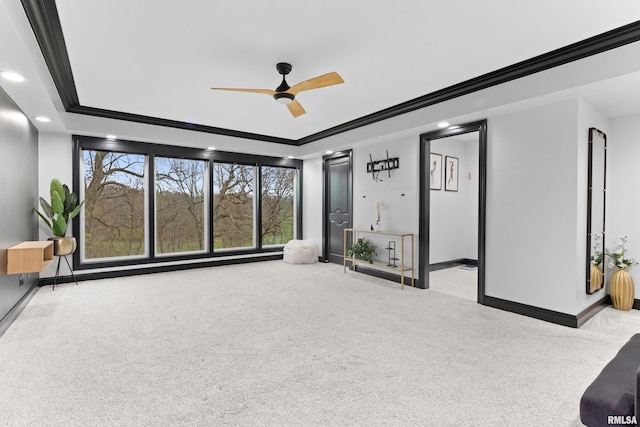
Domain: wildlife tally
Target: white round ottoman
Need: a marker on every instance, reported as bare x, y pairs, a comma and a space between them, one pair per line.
300, 252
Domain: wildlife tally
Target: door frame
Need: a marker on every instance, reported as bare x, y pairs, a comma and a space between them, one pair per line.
325, 196
425, 200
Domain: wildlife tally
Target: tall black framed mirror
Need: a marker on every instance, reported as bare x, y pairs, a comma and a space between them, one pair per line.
596, 208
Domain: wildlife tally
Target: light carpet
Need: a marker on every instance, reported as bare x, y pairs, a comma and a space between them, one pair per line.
273, 344
455, 281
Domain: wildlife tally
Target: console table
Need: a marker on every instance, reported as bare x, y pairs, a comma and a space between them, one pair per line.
376, 264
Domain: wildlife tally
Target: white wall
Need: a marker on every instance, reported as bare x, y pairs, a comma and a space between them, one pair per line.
397, 195
454, 215
623, 181
531, 240
588, 117
55, 161
536, 202
312, 201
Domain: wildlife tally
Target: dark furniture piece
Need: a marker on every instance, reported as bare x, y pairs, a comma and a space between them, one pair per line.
614, 393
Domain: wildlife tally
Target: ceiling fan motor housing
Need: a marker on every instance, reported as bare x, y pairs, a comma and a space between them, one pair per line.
283, 68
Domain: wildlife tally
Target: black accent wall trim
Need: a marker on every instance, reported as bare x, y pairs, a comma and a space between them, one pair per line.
156, 121
591, 311
531, 311
156, 269
45, 22
452, 263
381, 274
17, 309
550, 315
635, 306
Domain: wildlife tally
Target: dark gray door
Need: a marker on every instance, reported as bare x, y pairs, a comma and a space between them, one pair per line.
338, 204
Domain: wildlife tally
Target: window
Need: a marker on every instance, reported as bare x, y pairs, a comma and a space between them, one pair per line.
180, 205
277, 205
155, 203
114, 212
233, 205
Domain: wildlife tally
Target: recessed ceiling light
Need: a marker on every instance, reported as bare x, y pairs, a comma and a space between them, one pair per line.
11, 76
111, 137
328, 152
43, 119
289, 157
211, 148
443, 125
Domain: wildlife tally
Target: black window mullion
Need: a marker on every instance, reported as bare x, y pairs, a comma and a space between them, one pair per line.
151, 198
212, 231
258, 201
298, 203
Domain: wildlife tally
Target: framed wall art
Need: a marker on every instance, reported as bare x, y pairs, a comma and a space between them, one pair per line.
451, 173
435, 171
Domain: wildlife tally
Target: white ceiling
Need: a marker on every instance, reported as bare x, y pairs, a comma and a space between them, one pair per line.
159, 58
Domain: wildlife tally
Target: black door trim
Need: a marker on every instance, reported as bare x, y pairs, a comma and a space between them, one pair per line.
325, 196
425, 200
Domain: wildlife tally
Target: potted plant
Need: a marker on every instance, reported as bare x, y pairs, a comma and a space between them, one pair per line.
58, 213
362, 249
597, 276
621, 286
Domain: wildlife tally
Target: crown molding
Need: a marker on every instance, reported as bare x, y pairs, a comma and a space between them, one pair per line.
44, 20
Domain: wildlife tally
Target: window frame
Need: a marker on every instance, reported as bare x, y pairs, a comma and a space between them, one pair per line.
151, 150
255, 210
295, 203
205, 231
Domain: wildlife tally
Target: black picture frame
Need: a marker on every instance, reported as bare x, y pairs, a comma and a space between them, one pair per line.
451, 173
435, 171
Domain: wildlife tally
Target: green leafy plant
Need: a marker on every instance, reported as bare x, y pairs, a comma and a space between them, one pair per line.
62, 209
363, 249
598, 256
619, 257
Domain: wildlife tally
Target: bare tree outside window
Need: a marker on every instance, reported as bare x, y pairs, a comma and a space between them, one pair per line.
277, 205
180, 206
233, 205
114, 196
188, 206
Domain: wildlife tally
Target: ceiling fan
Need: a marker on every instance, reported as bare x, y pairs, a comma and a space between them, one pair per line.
285, 94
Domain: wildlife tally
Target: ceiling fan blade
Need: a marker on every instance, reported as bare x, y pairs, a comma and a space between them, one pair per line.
295, 108
324, 80
265, 91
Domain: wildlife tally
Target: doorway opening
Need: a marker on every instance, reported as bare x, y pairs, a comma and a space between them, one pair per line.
453, 210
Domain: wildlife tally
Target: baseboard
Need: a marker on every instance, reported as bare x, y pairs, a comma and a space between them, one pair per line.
452, 263
157, 269
591, 311
531, 311
386, 275
17, 309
